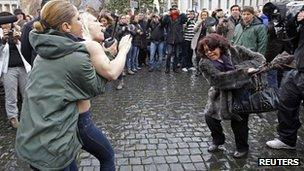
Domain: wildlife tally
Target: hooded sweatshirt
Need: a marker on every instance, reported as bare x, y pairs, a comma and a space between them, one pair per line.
63, 74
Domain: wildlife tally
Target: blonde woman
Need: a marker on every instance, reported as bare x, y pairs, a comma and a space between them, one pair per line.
59, 88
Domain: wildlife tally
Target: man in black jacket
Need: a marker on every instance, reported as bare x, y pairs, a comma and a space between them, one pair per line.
26, 49
290, 96
173, 23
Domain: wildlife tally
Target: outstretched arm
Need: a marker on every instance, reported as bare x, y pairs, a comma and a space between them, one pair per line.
106, 68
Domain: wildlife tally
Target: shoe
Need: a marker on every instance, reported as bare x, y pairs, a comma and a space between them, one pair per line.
138, 68
130, 72
213, 148
120, 85
192, 69
134, 70
238, 154
123, 73
278, 144
176, 70
14, 122
185, 69
167, 71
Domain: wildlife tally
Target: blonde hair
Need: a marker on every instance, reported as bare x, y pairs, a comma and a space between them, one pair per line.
54, 13
85, 18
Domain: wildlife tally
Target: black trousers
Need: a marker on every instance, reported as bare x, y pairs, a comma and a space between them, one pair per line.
240, 130
290, 96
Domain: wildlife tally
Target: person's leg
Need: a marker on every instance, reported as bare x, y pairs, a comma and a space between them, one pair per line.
240, 130
290, 96
161, 54
128, 61
176, 57
184, 55
22, 80
152, 56
218, 137
189, 56
10, 83
95, 142
136, 58
170, 52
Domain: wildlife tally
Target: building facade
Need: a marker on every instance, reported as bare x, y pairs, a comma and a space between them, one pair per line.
9, 5
215, 4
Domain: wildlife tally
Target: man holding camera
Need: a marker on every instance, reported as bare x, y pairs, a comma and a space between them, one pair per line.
173, 23
291, 95
13, 68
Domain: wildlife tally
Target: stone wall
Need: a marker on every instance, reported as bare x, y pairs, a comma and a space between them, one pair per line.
31, 6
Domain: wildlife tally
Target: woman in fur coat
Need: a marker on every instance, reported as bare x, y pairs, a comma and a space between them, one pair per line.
226, 69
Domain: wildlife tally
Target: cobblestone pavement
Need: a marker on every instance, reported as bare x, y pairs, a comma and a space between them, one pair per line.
156, 123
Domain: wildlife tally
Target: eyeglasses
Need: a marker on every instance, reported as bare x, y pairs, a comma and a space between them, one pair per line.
211, 49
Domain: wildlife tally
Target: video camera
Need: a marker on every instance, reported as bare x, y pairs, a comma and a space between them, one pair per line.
285, 24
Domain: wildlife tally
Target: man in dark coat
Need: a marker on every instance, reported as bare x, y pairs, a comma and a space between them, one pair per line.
290, 96
26, 49
173, 23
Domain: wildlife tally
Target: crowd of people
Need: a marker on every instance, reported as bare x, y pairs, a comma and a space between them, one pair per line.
64, 57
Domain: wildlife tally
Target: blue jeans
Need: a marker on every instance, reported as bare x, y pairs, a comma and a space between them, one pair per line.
159, 47
71, 167
173, 51
132, 58
95, 142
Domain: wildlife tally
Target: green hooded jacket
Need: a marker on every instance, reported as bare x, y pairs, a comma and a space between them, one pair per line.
62, 74
252, 36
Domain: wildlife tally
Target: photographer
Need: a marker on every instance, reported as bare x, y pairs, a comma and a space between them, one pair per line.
291, 96
125, 28
13, 68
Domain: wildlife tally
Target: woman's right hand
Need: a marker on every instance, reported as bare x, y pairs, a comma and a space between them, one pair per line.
125, 44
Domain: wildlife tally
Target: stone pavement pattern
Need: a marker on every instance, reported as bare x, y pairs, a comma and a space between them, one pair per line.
156, 123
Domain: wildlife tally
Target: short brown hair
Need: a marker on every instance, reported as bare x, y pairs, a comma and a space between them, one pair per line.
248, 9
54, 13
213, 41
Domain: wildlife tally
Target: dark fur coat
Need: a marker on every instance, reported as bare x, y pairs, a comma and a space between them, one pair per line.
219, 94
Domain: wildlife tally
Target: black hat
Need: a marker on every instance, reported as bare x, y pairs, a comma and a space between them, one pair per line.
268, 9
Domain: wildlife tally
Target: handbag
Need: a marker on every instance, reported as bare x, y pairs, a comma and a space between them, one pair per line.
261, 99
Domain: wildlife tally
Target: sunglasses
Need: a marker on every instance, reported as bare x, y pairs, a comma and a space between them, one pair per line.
211, 49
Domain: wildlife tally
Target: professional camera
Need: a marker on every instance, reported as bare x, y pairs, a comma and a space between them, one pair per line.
285, 24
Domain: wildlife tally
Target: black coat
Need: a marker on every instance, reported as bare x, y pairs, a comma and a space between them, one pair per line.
299, 52
27, 50
157, 31
174, 28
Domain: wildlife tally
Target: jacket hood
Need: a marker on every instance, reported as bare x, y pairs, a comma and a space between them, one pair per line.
53, 44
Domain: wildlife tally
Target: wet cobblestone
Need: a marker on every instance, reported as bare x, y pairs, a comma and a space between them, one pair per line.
156, 123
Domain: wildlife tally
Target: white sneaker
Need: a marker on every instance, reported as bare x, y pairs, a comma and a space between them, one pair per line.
278, 144
184, 69
192, 69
